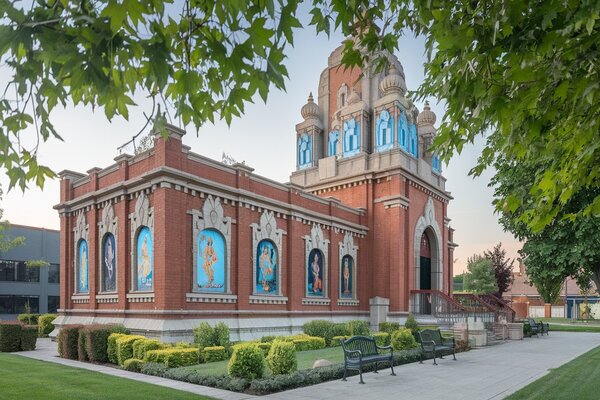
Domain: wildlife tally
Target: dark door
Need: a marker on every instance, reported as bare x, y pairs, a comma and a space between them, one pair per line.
425, 273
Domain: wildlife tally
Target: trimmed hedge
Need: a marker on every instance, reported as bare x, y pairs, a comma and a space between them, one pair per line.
173, 357
96, 341
133, 364
125, 347
340, 329
265, 347
336, 340
81, 346
29, 334
267, 339
282, 357
403, 339
411, 323
67, 341
215, 353
154, 369
111, 349
45, 326
381, 338
247, 362
388, 327
309, 343
358, 327
28, 319
207, 336
141, 347
320, 328
10, 336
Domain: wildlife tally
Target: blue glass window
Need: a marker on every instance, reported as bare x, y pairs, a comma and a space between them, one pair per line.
436, 164
304, 151
384, 131
351, 138
414, 142
334, 137
403, 131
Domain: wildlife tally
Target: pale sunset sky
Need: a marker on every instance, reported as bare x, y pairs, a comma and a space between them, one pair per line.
264, 138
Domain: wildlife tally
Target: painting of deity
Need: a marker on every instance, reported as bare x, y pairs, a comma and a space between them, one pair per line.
82, 282
346, 283
266, 268
109, 268
211, 261
145, 260
315, 273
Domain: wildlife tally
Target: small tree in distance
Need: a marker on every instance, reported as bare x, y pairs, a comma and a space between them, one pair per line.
480, 278
502, 268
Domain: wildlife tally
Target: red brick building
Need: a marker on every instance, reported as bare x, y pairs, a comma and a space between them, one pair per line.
168, 238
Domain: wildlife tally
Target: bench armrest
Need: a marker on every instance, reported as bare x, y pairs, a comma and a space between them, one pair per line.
390, 348
449, 341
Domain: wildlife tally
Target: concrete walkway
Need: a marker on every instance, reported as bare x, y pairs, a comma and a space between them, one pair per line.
489, 373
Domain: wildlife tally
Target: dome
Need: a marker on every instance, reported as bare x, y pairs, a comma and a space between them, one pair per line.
393, 82
353, 98
310, 110
426, 117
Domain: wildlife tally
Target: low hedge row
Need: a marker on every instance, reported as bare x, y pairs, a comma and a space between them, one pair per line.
81, 346
10, 336
111, 347
28, 319
141, 347
134, 364
173, 357
45, 326
309, 343
96, 339
215, 353
29, 335
328, 330
125, 347
68, 340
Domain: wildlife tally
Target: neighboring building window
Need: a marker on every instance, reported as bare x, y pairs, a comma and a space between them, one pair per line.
304, 151
54, 273
109, 265
403, 131
346, 278
414, 141
145, 260
13, 304
266, 269
315, 274
334, 137
385, 129
436, 164
18, 271
351, 138
53, 303
342, 95
82, 267
211, 261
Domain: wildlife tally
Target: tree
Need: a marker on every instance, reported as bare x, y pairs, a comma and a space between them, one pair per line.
458, 282
523, 73
7, 241
480, 278
502, 268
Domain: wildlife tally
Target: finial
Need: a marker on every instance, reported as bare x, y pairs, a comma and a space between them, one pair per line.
310, 97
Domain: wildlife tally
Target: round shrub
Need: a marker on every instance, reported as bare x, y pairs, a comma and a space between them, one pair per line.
381, 338
411, 323
28, 337
282, 358
133, 364
358, 327
203, 335
340, 329
10, 336
320, 328
403, 339
45, 326
247, 361
388, 327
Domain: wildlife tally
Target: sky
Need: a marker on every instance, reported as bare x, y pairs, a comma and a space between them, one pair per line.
264, 138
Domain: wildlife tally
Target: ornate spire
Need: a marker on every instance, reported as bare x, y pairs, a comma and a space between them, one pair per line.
393, 82
354, 97
310, 110
426, 117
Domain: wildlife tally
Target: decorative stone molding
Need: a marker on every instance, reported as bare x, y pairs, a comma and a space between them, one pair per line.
267, 229
347, 248
80, 232
107, 298
427, 223
210, 298
212, 217
143, 215
316, 241
78, 299
108, 224
348, 302
140, 297
263, 299
315, 301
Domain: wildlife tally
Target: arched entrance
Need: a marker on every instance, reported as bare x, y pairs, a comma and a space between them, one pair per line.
427, 265
425, 261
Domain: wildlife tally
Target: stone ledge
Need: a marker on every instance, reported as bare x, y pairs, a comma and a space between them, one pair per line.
107, 298
255, 299
140, 297
308, 301
348, 302
210, 298
80, 299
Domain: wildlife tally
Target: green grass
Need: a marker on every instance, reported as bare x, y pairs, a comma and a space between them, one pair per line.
25, 378
574, 328
305, 361
577, 379
570, 321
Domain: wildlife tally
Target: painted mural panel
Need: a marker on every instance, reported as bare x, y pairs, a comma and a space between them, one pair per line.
211, 261
315, 273
346, 279
266, 271
109, 267
83, 267
145, 260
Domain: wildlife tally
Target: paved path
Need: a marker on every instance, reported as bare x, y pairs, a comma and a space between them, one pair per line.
483, 374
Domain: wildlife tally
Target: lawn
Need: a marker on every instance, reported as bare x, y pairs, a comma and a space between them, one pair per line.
305, 361
577, 379
574, 328
25, 378
571, 321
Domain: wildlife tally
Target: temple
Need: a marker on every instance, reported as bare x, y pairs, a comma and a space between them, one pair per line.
166, 239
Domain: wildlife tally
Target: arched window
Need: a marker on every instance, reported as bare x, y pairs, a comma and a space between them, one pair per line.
267, 262
342, 95
347, 278
414, 141
334, 137
403, 131
351, 138
82, 267
436, 164
314, 272
305, 150
144, 279
384, 131
109, 264
211, 273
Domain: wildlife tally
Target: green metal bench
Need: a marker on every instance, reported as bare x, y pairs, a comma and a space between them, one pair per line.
538, 327
432, 342
361, 350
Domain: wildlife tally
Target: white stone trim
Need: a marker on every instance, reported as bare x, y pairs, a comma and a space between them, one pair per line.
211, 217
316, 241
107, 298
140, 297
267, 229
81, 232
210, 298
347, 248
108, 224
142, 216
348, 302
425, 221
315, 301
262, 299
79, 299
